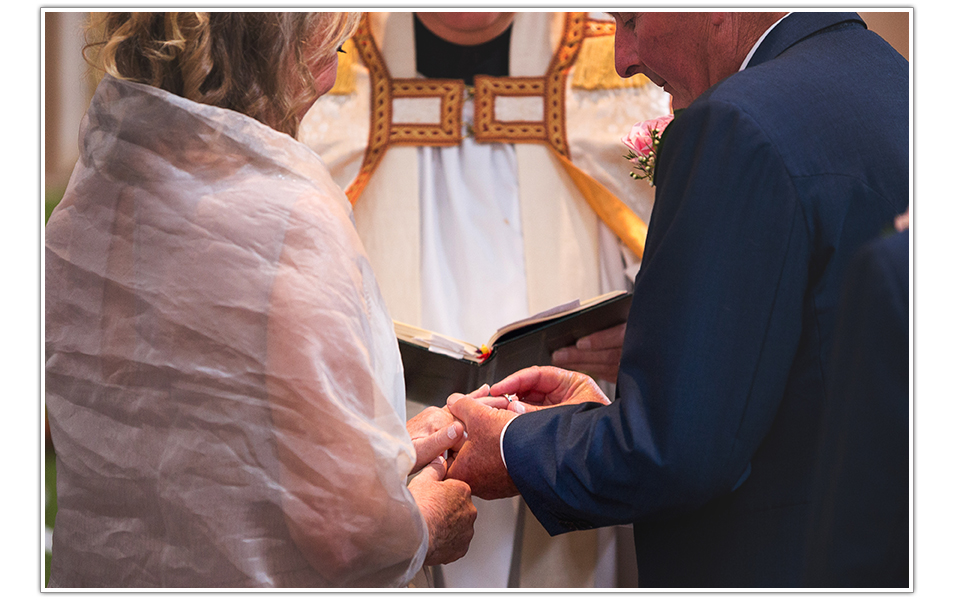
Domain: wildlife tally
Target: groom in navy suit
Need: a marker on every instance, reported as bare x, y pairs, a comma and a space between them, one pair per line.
790, 154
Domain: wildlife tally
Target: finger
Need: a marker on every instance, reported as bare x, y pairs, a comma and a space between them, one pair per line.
522, 382
607, 338
531, 384
494, 401
462, 488
466, 409
480, 392
520, 407
434, 470
432, 446
571, 358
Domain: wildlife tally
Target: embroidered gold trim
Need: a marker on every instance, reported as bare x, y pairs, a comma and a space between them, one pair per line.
486, 126
382, 132
447, 132
379, 130
597, 28
551, 86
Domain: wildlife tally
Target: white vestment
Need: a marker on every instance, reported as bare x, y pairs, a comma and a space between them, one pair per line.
224, 389
467, 238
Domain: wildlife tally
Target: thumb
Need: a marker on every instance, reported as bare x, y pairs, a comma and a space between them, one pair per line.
434, 470
435, 444
465, 408
519, 407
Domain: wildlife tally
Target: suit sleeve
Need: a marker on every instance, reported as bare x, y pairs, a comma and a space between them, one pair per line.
713, 329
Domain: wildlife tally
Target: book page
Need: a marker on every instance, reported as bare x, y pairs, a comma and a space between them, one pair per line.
435, 342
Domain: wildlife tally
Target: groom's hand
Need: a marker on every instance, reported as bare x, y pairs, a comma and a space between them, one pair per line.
535, 388
478, 463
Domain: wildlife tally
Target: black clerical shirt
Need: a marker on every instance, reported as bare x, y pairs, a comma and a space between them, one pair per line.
440, 59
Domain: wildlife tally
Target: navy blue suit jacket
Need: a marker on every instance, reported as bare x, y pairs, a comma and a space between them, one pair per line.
766, 185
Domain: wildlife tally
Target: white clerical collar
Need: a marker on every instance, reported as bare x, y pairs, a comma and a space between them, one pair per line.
751, 53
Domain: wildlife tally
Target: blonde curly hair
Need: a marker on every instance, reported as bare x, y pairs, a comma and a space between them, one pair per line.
258, 64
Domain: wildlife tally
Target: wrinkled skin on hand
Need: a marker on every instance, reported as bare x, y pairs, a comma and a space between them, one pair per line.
434, 431
596, 355
543, 387
448, 510
478, 462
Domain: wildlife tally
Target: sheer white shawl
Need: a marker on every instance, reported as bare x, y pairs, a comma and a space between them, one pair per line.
223, 384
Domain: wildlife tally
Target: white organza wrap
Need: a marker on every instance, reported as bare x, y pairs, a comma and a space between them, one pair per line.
224, 387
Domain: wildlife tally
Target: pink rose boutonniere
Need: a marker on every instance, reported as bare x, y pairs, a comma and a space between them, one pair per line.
643, 143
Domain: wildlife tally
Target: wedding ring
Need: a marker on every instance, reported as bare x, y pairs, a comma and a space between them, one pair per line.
510, 397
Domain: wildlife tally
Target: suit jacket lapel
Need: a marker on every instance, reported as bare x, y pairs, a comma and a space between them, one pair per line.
795, 28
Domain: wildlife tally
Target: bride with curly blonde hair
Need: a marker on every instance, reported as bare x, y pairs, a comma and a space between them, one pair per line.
264, 65
223, 385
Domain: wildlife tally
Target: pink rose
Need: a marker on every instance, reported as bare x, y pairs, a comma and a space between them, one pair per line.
641, 139
643, 144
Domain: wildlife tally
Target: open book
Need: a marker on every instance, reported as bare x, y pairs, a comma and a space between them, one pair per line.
436, 366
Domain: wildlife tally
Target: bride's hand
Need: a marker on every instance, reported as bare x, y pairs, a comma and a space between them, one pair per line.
434, 431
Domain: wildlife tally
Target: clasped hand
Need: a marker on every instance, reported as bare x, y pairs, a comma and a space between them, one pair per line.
468, 429
485, 412
445, 504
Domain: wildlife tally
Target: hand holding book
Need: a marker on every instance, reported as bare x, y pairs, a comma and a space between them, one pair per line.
597, 354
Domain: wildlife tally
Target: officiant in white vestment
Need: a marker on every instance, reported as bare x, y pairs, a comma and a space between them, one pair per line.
488, 184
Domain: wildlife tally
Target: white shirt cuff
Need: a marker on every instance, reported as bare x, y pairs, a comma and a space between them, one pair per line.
502, 433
